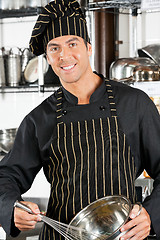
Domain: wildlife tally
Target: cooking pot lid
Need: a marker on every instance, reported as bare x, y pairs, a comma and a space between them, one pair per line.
31, 71
152, 51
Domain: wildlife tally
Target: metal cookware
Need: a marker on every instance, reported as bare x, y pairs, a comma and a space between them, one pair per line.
26, 56
7, 137
101, 220
152, 51
104, 217
2, 70
134, 70
14, 68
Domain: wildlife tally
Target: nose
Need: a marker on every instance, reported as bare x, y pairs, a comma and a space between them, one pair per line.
64, 53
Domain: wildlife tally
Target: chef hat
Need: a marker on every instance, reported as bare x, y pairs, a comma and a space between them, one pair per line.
58, 18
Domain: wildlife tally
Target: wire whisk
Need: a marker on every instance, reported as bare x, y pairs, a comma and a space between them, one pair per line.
67, 231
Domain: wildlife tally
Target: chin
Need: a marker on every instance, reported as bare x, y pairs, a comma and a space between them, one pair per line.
70, 80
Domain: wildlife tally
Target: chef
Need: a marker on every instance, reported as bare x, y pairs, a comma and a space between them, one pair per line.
93, 137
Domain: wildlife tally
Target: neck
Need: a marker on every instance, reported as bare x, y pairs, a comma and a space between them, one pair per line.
85, 88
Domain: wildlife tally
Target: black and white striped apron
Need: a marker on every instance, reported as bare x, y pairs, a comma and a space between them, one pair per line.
89, 159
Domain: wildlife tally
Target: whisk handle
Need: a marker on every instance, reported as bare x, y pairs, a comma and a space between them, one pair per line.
23, 206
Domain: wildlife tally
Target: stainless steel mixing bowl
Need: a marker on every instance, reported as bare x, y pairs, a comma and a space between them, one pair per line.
7, 137
103, 218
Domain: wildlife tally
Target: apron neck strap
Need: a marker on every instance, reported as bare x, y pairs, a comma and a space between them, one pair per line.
59, 106
111, 99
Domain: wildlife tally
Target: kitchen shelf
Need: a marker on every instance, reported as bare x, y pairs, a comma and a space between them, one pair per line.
123, 4
22, 12
29, 88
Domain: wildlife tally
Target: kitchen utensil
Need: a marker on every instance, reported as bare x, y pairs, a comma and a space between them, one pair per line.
14, 67
101, 219
2, 71
146, 73
7, 137
26, 56
152, 51
104, 217
31, 70
134, 70
62, 228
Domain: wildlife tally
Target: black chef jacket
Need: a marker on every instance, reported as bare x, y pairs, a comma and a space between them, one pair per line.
139, 120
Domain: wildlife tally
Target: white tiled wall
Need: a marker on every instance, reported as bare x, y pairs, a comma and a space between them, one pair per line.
14, 106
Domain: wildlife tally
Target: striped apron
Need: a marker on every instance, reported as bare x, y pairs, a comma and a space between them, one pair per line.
89, 159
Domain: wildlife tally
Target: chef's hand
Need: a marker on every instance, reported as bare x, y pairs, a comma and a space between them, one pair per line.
26, 221
140, 225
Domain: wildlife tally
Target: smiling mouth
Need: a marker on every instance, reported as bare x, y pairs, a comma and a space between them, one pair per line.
68, 67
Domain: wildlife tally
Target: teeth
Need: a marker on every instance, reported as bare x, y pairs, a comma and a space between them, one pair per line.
67, 68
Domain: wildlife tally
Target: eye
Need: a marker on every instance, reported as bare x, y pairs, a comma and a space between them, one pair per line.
72, 44
54, 49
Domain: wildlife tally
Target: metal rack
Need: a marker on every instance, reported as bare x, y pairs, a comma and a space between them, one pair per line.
29, 88
119, 4
22, 12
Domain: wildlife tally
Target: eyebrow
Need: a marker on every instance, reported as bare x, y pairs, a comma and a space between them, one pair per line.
72, 39
68, 41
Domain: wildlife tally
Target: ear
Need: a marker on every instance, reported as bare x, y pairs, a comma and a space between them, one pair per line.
48, 59
89, 46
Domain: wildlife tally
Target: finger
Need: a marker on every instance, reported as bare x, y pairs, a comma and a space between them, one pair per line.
135, 211
22, 215
142, 218
24, 227
138, 227
33, 206
25, 223
136, 234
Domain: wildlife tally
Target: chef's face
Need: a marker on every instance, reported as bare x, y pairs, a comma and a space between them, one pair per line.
69, 58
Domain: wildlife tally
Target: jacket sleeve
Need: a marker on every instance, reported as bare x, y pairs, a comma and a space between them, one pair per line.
150, 155
17, 172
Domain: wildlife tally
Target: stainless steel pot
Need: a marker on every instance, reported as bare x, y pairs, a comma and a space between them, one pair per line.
2, 72
14, 68
134, 70
26, 56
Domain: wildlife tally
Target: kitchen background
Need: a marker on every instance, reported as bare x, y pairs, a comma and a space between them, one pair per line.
114, 32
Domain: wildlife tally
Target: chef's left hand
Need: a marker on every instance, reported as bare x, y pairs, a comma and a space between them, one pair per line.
140, 225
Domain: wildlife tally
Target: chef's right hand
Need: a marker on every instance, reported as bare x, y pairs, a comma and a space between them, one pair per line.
26, 221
